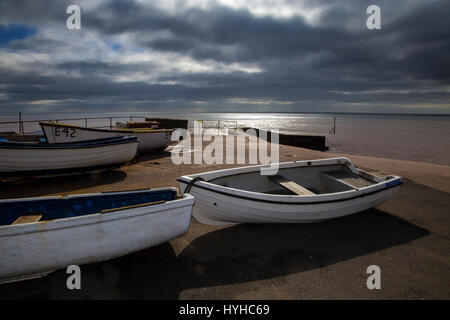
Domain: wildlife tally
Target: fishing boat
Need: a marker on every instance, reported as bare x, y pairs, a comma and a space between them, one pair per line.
137, 125
33, 157
16, 137
300, 192
149, 139
41, 235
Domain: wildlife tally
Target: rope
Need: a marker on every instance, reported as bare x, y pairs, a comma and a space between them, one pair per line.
191, 183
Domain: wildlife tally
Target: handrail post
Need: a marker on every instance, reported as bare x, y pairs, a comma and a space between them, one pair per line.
20, 122
334, 125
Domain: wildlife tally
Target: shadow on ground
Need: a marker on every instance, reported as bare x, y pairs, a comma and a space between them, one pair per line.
152, 156
232, 255
60, 184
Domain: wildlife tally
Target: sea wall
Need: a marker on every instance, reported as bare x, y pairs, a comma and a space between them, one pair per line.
295, 140
170, 123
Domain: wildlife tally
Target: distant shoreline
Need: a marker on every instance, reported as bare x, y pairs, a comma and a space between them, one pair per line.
11, 114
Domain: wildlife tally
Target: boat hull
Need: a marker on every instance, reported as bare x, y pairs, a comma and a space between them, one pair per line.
219, 205
20, 159
149, 139
35, 249
212, 208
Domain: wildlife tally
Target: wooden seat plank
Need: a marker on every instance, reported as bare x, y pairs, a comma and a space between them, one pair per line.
350, 179
290, 185
28, 218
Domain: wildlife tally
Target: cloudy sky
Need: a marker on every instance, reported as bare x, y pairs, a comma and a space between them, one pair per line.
225, 55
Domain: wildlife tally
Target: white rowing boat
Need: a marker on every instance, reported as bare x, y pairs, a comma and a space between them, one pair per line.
137, 125
149, 139
301, 192
41, 235
27, 157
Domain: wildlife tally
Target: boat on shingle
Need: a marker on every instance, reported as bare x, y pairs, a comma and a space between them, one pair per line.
34, 157
300, 192
41, 235
149, 139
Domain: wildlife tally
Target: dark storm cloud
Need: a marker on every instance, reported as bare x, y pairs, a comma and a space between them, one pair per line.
36, 13
316, 66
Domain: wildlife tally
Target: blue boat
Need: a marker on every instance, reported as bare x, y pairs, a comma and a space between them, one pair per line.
40, 235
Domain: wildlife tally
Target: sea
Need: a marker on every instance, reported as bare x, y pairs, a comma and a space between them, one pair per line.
414, 137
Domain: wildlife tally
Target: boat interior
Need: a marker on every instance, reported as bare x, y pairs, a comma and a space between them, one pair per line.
20, 211
297, 181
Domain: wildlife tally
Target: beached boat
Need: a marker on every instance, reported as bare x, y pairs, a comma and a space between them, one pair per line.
149, 139
15, 137
137, 125
41, 235
301, 192
28, 157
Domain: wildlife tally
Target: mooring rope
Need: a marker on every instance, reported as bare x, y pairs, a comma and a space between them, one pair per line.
191, 183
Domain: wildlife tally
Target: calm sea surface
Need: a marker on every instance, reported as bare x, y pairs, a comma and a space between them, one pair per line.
409, 137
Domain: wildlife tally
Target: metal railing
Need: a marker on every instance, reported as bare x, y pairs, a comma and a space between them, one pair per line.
20, 123
108, 122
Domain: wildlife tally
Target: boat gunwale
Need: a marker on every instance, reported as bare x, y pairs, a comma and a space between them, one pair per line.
132, 131
94, 218
95, 143
347, 195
